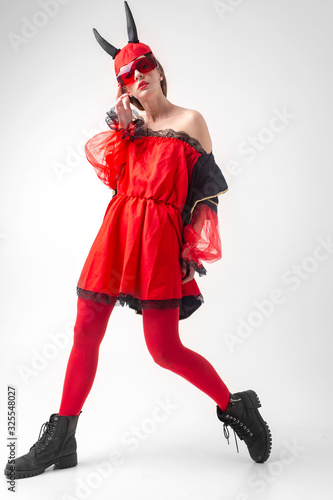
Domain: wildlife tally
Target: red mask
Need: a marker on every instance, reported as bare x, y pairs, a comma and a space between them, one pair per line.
143, 65
131, 51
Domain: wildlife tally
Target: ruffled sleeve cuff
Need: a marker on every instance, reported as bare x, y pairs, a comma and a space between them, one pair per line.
192, 263
128, 133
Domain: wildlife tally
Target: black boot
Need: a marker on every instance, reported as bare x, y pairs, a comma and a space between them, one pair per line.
244, 418
57, 446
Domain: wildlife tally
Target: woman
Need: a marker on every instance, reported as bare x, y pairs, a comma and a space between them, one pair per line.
160, 223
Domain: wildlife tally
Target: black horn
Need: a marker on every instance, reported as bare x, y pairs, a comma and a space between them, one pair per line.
131, 28
110, 49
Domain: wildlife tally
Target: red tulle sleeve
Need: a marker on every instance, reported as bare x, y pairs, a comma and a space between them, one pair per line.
202, 239
107, 151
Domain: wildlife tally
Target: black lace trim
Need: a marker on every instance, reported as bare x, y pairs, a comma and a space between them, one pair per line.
202, 271
183, 136
127, 299
187, 305
137, 130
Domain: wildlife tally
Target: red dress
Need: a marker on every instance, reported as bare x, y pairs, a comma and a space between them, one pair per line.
163, 213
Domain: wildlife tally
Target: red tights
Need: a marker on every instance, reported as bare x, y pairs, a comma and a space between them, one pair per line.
162, 338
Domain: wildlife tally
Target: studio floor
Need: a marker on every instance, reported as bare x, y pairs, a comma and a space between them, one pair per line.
186, 465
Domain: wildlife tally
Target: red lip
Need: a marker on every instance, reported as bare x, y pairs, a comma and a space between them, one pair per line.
141, 84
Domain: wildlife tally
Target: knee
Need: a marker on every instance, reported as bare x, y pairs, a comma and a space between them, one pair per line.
87, 337
81, 336
162, 336
91, 322
165, 358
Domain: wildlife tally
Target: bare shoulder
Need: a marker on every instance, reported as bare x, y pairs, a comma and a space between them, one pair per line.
195, 125
188, 120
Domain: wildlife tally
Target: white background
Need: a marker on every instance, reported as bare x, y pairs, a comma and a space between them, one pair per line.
240, 63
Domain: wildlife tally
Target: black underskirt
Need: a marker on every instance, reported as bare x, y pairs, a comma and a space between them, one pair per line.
187, 304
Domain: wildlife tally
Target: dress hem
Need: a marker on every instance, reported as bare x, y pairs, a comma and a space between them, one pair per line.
187, 304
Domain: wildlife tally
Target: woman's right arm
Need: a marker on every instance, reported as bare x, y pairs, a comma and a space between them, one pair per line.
107, 151
123, 108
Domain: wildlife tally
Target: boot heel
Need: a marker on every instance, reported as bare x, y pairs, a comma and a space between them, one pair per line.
66, 462
254, 398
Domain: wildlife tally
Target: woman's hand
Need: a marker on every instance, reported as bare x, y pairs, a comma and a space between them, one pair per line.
123, 108
190, 275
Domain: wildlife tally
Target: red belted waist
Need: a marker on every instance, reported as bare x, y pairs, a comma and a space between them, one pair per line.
146, 198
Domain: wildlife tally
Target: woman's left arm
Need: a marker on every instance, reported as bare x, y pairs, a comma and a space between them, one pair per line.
201, 235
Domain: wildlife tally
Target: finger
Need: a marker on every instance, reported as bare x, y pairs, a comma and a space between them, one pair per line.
124, 95
126, 101
121, 95
120, 107
118, 94
122, 102
190, 276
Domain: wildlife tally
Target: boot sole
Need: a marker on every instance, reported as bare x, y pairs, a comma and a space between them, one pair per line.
60, 463
255, 404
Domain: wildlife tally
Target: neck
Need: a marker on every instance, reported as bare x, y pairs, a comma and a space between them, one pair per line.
157, 107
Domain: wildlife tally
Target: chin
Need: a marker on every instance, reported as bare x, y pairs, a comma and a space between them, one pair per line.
146, 91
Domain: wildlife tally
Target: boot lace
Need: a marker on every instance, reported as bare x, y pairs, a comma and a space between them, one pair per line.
238, 427
45, 435
227, 435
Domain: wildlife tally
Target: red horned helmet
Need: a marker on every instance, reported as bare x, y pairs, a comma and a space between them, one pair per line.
131, 51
